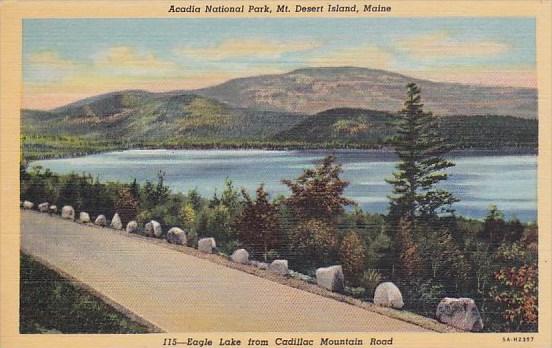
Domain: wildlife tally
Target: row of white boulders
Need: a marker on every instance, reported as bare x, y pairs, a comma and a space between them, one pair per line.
331, 278
462, 313
241, 256
43, 207
206, 245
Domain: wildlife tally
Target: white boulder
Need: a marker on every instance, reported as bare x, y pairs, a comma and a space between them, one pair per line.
101, 220
331, 278
206, 245
84, 217
43, 207
153, 229
28, 205
132, 227
53, 209
67, 212
388, 295
462, 313
177, 236
279, 266
240, 256
116, 222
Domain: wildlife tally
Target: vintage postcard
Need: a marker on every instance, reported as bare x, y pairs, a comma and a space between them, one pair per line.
275, 174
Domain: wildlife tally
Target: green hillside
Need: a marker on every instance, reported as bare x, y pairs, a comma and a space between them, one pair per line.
491, 131
139, 117
133, 119
367, 128
342, 127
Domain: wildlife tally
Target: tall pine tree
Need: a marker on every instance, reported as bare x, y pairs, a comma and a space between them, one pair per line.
421, 151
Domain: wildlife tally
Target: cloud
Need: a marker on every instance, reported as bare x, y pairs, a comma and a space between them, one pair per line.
441, 45
48, 58
363, 56
246, 48
48, 67
128, 60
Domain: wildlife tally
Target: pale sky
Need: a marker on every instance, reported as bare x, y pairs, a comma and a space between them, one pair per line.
68, 59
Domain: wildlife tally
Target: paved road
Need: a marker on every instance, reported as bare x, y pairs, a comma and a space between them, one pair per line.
183, 293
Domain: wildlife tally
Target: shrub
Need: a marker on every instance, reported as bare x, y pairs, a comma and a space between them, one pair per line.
126, 205
370, 280
422, 295
258, 225
154, 194
318, 192
215, 222
378, 252
352, 255
515, 295
39, 186
444, 261
314, 243
187, 215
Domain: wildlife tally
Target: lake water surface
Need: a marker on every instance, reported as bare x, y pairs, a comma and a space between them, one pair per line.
509, 181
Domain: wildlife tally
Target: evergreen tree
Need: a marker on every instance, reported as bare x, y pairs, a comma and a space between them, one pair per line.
420, 149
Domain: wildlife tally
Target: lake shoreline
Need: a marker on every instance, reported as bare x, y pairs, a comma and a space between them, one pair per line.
284, 147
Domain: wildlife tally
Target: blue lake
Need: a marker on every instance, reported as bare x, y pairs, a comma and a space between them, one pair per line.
509, 181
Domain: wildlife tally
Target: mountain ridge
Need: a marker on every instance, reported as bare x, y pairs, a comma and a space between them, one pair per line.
312, 90
133, 118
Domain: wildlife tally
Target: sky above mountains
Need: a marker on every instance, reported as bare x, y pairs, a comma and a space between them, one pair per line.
68, 59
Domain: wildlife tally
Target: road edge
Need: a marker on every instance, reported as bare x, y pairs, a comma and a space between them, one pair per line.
151, 326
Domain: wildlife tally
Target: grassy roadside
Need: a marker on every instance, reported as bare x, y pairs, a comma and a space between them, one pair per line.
50, 303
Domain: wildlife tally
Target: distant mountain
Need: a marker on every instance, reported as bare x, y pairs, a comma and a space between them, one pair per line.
319, 107
313, 90
143, 117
